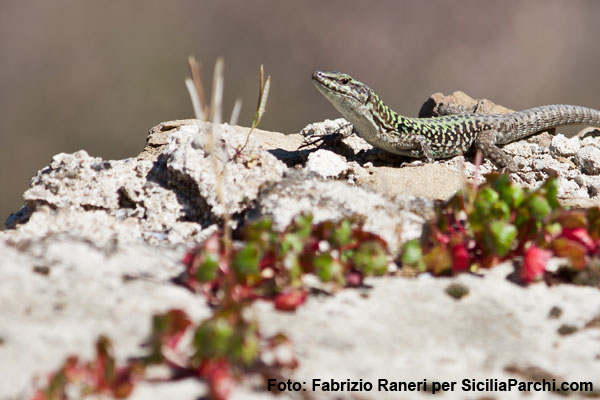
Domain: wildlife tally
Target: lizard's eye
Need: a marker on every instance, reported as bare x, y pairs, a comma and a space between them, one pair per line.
344, 81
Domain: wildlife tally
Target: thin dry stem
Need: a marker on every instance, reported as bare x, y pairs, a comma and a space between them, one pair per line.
196, 72
263, 94
262, 100
216, 108
216, 103
198, 113
235, 113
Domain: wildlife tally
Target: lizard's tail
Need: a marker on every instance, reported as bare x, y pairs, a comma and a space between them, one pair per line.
545, 117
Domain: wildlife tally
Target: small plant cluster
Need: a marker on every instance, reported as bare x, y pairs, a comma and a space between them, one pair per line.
100, 376
485, 225
269, 264
220, 347
265, 264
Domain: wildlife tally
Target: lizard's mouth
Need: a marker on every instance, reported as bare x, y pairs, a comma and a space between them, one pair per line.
320, 79
318, 76
327, 86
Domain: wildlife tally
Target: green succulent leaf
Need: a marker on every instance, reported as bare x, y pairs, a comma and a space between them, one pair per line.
302, 225
371, 259
412, 255
501, 234
488, 195
324, 267
250, 348
538, 206
209, 269
292, 242
500, 210
342, 233
246, 261
212, 339
257, 230
510, 194
551, 190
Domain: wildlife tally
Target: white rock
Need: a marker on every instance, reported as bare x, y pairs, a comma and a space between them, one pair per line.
548, 164
405, 332
327, 164
593, 185
522, 148
588, 158
564, 146
566, 187
524, 163
87, 290
190, 168
539, 164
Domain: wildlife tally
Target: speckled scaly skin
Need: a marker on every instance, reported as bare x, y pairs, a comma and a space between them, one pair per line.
440, 137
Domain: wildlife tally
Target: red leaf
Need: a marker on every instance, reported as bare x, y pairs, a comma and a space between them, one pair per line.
124, 383
571, 249
173, 340
289, 301
103, 367
460, 258
440, 237
220, 383
438, 260
268, 260
534, 264
354, 279
219, 379
39, 395
175, 323
579, 235
188, 259
72, 368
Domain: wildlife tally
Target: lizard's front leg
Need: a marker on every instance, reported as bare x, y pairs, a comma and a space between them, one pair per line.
486, 142
320, 132
410, 145
424, 148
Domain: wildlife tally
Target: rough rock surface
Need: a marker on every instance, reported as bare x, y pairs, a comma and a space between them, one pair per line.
459, 101
98, 242
60, 291
327, 164
588, 158
124, 194
411, 330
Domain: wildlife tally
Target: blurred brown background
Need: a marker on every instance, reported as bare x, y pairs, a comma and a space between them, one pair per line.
96, 75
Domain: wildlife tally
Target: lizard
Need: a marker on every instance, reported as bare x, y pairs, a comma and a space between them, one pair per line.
444, 136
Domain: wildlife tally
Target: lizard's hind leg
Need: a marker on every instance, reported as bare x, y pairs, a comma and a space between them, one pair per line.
486, 142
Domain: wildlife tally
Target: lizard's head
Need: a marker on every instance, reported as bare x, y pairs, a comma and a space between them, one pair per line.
341, 89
